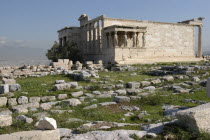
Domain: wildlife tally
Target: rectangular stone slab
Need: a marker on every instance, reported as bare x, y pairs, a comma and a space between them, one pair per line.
32, 135
196, 118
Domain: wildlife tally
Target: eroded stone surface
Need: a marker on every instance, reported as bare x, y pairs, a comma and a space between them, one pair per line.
46, 123
5, 120
196, 118
107, 135
32, 135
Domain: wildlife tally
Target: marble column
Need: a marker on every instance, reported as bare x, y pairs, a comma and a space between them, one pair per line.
86, 37
137, 40
125, 39
110, 40
134, 39
64, 41
94, 35
107, 40
89, 36
99, 35
199, 41
115, 39
143, 41
60, 41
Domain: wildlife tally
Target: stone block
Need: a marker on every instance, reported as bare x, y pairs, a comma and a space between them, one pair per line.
65, 132
145, 83
196, 79
108, 135
55, 64
72, 102
89, 62
59, 81
5, 120
60, 86
20, 110
48, 98
100, 62
14, 87
24, 119
107, 103
8, 81
133, 85
34, 99
154, 82
150, 88
45, 106
66, 61
4, 88
196, 118
77, 94
168, 78
70, 62
62, 96
5, 112
120, 99
60, 61
3, 101
46, 123
121, 92
73, 84
32, 135
25, 106
22, 100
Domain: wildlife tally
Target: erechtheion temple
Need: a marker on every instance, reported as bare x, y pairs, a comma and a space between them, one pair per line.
125, 41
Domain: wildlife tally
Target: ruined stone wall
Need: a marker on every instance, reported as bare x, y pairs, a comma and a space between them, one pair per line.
163, 40
71, 34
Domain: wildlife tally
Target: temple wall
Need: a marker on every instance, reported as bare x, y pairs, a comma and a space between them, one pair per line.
162, 40
71, 34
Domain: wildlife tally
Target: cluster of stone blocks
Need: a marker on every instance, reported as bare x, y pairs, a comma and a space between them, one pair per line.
67, 64
9, 85
48, 124
63, 64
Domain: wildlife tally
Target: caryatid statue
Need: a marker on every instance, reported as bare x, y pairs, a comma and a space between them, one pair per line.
134, 39
115, 39
125, 39
137, 40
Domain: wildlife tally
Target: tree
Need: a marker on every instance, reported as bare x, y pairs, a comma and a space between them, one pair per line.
69, 51
52, 54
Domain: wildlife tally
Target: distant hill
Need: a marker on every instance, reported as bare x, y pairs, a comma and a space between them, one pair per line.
12, 56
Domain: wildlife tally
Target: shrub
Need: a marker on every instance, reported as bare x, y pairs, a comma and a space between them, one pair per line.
69, 51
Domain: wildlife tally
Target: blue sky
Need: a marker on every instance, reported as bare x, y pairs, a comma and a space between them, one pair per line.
34, 23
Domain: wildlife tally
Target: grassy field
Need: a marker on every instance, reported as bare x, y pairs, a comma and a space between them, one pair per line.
43, 86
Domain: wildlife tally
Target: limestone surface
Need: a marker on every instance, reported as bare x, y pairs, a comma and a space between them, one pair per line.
3, 101
4, 88
46, 123
196, 118
32, 135
107, 135
5, 120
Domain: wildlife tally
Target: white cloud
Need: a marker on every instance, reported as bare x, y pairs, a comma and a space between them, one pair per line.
4, 42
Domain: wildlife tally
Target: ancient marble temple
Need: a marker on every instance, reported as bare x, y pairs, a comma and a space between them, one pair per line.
125, 41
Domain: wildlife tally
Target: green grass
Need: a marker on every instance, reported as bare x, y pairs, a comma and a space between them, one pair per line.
113, 113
